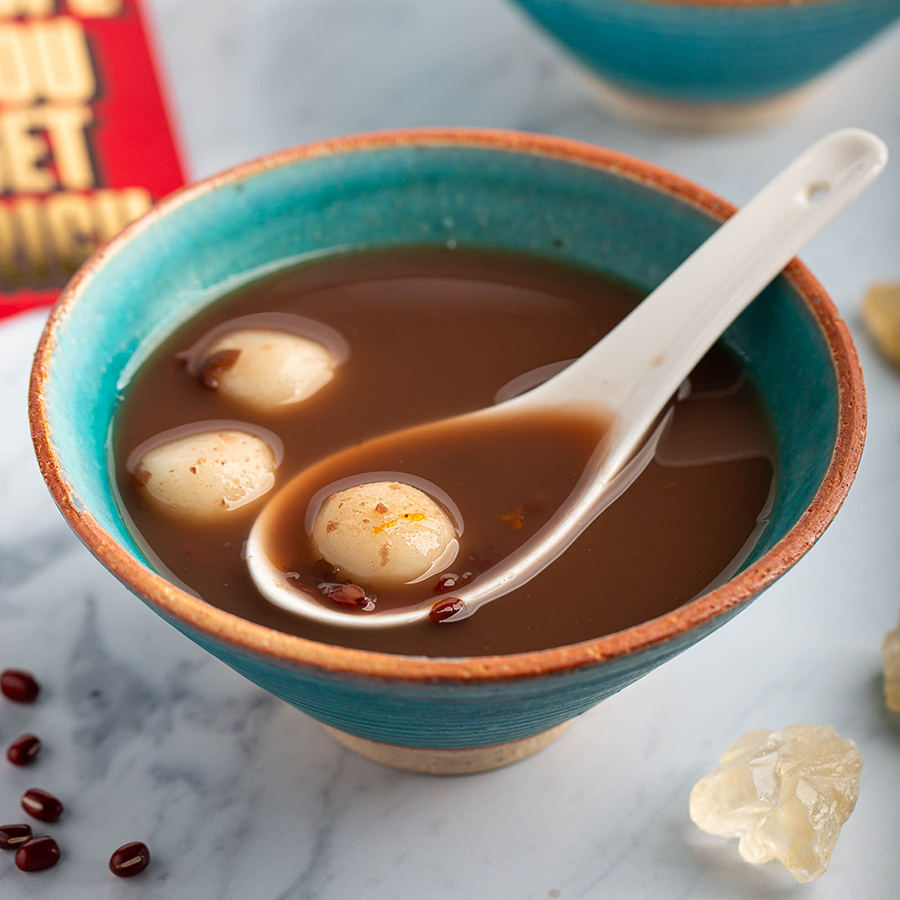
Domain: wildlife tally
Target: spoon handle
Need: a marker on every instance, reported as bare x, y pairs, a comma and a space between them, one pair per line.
642, 362
631, 375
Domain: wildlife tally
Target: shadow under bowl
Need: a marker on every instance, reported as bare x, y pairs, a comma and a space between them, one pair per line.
709, 64
502, 190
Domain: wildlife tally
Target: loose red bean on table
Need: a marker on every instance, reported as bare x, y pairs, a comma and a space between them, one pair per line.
33, 854
13, 835
130, 859
19, 685
37, 854
41, 805
23, 750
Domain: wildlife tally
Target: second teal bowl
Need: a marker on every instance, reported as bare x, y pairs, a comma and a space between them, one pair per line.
558, 198
710, 63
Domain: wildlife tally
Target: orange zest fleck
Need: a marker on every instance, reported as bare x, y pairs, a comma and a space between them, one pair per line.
409, 517
516, 519
384, 526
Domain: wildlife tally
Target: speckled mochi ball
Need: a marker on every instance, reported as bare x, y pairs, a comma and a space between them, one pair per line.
383, 533
266, 369
206, 475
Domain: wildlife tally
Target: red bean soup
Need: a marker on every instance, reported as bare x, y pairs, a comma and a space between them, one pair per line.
404, 337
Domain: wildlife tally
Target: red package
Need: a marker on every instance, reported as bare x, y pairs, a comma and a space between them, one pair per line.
85, 141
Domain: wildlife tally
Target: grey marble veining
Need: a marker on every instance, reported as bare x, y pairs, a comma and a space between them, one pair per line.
241, 797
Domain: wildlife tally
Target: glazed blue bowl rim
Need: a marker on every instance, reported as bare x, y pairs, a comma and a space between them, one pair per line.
175, 604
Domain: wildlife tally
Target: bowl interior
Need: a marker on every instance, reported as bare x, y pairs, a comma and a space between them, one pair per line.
211, 239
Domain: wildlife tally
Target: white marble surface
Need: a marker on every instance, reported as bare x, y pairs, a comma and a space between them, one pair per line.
240, 796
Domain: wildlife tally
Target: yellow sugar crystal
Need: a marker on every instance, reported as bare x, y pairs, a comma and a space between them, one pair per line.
890, 652
881, 315
784, 793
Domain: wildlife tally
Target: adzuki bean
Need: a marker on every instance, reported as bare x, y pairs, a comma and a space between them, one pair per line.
129, 860
446, 582
19, 685
24, 749
41, 805
444, 609
11, 836
37, 854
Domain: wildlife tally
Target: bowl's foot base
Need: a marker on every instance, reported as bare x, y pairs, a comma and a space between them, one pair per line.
678, 115
446, 762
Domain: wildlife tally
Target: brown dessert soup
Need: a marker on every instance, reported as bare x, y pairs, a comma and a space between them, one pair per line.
433, 333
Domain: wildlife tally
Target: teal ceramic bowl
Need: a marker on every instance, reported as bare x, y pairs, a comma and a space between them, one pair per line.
558, 198
709, 63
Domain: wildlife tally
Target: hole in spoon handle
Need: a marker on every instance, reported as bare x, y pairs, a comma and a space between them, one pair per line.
817, 192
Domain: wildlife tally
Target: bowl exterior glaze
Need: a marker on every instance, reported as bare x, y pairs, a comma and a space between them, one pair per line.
500, 190
712, 52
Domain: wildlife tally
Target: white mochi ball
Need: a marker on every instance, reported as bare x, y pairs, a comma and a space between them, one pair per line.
206, 475
384, 533
264, 369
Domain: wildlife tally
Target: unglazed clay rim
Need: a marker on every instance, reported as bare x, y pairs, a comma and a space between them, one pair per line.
266, 642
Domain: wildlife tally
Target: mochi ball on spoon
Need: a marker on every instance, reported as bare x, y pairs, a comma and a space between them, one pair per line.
265, 369
384, 534
206, 475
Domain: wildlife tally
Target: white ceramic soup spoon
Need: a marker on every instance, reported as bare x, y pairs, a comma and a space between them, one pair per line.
630, 376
